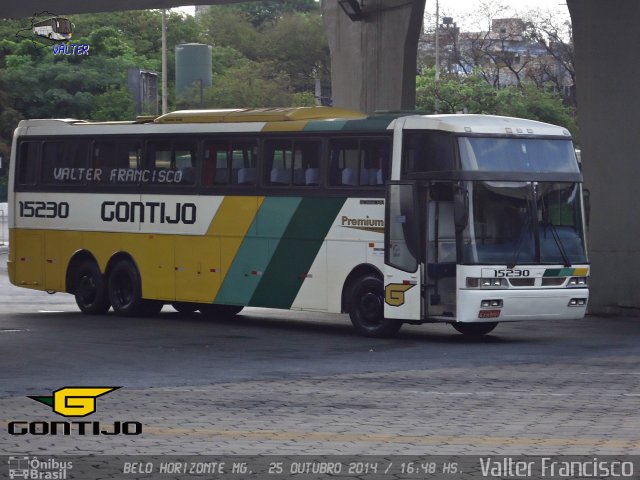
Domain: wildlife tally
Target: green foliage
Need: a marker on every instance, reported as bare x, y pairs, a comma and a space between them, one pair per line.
114, 104
454, 94
297, 44
223, 27
250, 84
536, 103
472, 94
264, 12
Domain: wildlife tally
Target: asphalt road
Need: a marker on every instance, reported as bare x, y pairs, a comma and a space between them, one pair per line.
274, 381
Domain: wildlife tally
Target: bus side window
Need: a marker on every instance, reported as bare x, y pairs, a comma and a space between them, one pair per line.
244, 156
172, 162
306, 163
278, 162
117, 161
64, 162
425, 151
374, 162
215, 167
343, 162
185, 161
28, 164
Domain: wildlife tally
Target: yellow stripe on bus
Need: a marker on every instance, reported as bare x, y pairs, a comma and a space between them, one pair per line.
230, 225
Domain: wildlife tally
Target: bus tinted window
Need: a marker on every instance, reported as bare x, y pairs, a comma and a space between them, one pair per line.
427, 152
517, 155
290, 162
374, 162
28, 164
118, 162
359, 162
229, 163
64, 162
171, 162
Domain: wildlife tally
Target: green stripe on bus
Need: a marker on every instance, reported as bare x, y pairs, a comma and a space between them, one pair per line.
376, 123
558, 272
324, 126
296, 252
256, 250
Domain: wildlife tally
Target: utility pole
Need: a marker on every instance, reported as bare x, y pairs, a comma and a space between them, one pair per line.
437, 40
437, 76
164, 61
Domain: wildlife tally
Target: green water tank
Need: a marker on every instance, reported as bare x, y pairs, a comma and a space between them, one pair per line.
193, 66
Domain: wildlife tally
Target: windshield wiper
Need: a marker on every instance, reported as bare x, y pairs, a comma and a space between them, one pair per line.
558, 240
528, 223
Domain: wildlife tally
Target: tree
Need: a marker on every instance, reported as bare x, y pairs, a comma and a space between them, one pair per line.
555, 36
298, 46
472, 94
249, 85
266, 12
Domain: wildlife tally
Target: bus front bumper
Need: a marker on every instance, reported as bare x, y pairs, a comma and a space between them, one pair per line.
515, 305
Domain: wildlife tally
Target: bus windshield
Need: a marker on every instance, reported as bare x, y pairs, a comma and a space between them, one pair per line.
499, 154
524, 223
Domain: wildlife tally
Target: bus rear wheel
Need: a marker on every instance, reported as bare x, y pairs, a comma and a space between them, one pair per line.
219, 311
125, 292
366, 309
90, 289
475, 329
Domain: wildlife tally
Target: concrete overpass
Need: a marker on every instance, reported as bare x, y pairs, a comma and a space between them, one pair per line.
373, 67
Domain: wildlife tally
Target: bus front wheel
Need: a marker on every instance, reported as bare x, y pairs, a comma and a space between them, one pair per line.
475, 329
125, 291
366, 309
90, 289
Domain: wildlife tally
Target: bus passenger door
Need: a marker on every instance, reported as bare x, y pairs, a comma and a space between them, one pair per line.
403, 225
440, 272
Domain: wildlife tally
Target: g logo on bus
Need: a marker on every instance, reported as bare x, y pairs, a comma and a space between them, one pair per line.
394, 293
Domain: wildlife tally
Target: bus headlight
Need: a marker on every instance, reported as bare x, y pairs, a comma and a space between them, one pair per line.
577, 282
475, 282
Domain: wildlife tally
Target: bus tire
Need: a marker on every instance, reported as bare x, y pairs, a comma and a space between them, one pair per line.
475, 329
220, 311
125, 290
366, 309
90, 289
185, 307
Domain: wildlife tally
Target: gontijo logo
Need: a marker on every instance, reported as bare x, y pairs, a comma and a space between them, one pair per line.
74, 401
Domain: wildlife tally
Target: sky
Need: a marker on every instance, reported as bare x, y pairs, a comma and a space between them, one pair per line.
466, 12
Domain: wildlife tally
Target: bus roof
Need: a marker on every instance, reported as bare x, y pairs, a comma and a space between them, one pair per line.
483, 124
301, 119
239, 115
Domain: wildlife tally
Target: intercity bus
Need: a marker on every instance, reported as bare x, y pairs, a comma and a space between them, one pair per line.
54, 28
393, 218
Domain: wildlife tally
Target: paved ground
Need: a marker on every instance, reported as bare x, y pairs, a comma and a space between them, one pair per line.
276, 382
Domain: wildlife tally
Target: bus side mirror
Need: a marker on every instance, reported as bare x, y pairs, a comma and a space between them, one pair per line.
586, 198
460, 208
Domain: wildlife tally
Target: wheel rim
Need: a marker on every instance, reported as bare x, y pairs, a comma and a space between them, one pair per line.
370, 308
87, 290
123, 292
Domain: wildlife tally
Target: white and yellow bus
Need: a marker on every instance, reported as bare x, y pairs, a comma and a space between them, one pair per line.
463, 219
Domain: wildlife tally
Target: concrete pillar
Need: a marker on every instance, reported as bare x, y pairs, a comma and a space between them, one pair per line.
606, 36
373, 62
